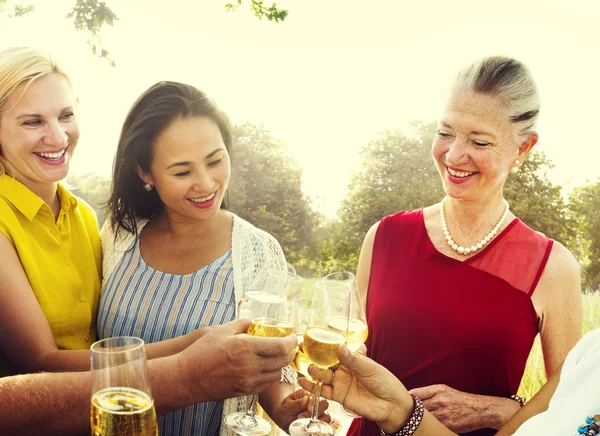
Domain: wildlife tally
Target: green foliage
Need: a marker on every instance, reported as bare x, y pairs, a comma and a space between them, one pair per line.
260, 10
396, 173
95, 190
585, 207
15, 11
266, 189
91, 16
538, 202
535, 374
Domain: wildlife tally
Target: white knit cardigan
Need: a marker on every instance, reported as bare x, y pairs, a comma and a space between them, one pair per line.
252, 250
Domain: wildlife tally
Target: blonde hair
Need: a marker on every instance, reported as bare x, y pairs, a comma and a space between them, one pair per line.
19, 65
510, 81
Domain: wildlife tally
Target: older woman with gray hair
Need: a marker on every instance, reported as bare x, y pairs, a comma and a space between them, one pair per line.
456, 292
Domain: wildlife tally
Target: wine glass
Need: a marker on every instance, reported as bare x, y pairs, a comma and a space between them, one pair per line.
293, 287
121, 402
301, 310
269, 313
354, 321
290, 269
321, 344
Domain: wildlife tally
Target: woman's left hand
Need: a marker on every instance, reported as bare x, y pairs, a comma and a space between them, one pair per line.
299, 405
462, 412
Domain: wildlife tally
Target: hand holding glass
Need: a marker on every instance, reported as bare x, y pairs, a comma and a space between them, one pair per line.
320, 346
267, 308
121, 401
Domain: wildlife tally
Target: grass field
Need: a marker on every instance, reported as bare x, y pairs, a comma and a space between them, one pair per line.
534, 376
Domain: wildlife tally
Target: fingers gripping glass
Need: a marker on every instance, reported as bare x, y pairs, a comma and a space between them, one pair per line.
121, 401
355, 321
321, 342
268, 310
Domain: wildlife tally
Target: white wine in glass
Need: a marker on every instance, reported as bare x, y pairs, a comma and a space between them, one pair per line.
121, 403
270, 328
354, 321
268, 310
357, 330
301, 311
320, 346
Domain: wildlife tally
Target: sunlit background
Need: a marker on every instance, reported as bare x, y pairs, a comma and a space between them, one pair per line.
329, 80
333, 75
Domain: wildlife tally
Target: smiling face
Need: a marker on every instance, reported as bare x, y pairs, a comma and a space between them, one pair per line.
190, 168
38, 130
475, 146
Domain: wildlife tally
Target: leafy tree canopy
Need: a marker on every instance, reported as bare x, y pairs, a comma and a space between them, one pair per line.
398, 173
585, 206
91, 16
266, 189
14, 10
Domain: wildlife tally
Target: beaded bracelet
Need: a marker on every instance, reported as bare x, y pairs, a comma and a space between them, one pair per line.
519, 399
413, 423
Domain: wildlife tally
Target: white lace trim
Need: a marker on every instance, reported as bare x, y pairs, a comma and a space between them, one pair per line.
251, 248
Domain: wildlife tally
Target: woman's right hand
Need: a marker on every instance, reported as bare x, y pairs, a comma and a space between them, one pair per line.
367, 388
225, 363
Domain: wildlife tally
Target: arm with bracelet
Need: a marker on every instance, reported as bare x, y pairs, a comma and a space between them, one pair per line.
370, 390
367, 388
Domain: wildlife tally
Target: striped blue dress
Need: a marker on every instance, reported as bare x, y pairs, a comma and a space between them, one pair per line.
138, 300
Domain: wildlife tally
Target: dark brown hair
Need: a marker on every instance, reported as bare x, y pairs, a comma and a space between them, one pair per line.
153, 111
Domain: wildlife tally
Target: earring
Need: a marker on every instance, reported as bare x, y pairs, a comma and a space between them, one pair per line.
148, 187
515, 168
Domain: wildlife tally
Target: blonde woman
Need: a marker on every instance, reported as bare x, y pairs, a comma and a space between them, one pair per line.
50, 272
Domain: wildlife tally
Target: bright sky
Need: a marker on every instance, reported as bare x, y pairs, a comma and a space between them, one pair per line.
333, 75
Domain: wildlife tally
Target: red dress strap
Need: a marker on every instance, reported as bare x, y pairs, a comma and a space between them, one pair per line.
518, 256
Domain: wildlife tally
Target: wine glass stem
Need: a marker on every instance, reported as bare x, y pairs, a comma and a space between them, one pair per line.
249, 419
313, 424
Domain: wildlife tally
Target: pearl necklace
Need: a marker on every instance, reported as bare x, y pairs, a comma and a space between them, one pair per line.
473, 248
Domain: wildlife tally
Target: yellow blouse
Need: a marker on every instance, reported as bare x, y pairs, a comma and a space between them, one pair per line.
62, 259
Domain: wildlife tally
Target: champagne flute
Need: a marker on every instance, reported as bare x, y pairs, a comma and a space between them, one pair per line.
269, 313
355, 321
121, 402
321, 344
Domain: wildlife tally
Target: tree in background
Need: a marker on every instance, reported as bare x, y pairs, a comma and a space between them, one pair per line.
266, 190
91, 16
538, 202
398, 173
14, 10
585, 207
94, 189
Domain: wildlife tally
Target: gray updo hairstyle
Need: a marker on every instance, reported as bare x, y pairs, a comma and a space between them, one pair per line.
511, 82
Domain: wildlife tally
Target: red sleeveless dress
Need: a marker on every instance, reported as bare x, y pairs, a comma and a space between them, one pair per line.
437, 320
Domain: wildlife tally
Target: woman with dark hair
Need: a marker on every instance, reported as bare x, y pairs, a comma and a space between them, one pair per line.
175, 259
49, 242
50, 251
